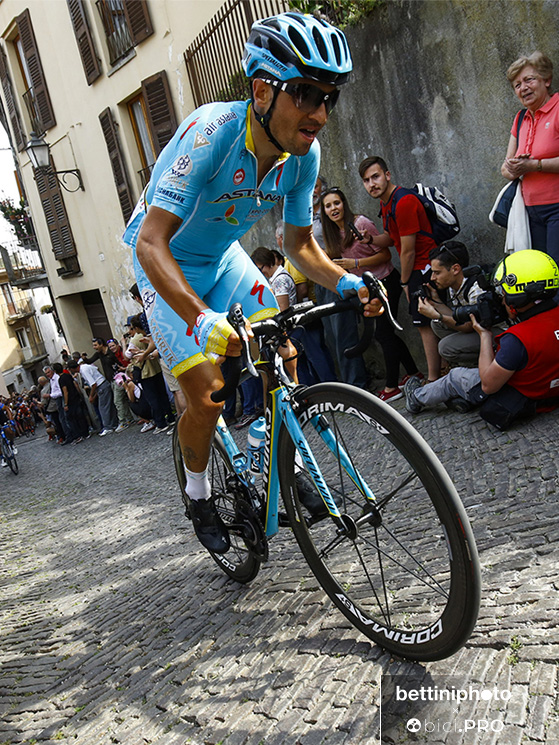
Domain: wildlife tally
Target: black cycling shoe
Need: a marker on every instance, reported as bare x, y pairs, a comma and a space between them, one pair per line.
208, 526
309, 496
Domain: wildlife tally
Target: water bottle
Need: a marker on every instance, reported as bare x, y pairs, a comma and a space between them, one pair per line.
255, 445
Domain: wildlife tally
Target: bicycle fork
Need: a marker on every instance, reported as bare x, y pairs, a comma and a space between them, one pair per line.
322, 427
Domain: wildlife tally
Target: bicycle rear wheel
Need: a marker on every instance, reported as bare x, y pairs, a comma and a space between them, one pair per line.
9, 457
242, 561
403, 568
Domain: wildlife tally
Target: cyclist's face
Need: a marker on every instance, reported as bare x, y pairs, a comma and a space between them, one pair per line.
376, 181
334, 207
294, 128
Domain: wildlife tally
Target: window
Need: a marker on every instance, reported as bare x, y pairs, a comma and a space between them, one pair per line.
86, 47
126, 23
153, 120
13, 111
56, 216
144, 142
9, 300
36, 97
118, 163
21, 335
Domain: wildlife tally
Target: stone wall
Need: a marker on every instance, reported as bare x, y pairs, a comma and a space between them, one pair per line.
430, 95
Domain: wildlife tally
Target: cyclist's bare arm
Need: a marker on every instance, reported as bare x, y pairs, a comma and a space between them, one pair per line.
302, 250
164, 273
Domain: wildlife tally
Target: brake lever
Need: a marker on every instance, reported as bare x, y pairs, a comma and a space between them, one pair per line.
237, 320
378, 290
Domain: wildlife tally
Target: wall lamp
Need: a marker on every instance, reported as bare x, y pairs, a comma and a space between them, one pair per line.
39, 155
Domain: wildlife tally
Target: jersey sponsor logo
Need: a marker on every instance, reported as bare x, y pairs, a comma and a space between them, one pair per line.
256, 214
189, 127
258, 289
228, 217
170, 195
200, 140
280, 171
245, 194
238, 177
182, 166
211, 127
148, 297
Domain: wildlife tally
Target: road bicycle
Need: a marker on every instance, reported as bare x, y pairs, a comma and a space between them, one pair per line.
7, 450
394, 549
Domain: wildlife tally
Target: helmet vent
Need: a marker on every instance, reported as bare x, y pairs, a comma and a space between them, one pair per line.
298, 42
320, 45
273, 23
297, 17
337, 50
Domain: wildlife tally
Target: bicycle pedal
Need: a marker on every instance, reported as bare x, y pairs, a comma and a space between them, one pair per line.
283, 520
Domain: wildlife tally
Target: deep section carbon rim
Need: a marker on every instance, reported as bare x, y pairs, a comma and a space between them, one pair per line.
402, 565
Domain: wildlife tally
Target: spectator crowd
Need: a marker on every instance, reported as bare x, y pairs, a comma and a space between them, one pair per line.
123, 382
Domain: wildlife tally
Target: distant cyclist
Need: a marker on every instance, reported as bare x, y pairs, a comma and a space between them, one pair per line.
226, 166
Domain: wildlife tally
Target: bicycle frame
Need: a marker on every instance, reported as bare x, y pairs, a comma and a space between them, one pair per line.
279, 409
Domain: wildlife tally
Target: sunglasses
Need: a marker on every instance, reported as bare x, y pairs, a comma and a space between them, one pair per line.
444, 249
307, 97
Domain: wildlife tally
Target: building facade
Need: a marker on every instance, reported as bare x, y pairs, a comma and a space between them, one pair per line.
104, 83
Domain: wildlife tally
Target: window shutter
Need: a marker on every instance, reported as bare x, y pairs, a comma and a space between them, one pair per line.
86, 46
31, 53
160, 111
138, 20
117, 163
13, 111
55, 213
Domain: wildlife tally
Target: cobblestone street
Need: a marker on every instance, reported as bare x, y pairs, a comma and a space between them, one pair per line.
117, 627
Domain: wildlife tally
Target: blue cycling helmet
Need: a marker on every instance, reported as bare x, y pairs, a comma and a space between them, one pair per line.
292, 45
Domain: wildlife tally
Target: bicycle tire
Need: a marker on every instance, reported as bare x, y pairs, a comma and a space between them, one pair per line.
241, 562
404, 572
9, 457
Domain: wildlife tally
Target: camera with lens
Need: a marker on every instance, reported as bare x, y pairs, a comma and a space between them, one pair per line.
489, 309
422, 293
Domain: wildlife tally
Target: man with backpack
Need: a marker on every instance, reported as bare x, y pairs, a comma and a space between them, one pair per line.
459, 343
406, 226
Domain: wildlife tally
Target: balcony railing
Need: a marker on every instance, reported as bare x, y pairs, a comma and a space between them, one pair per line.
32, 354
213, 59
18, 310
32, 106
145, 174
119, 41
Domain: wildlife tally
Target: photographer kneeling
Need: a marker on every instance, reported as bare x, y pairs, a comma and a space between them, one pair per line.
522, 376
459, 344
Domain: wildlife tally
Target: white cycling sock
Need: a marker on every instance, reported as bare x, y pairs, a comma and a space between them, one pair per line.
198, 485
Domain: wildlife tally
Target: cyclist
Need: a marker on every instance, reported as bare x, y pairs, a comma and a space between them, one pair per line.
225, 167
7, 424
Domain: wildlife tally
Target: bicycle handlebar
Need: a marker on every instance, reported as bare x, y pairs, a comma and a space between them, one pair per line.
298, 315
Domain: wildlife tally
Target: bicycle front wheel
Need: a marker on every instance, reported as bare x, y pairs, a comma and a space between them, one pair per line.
9, 457
403, 566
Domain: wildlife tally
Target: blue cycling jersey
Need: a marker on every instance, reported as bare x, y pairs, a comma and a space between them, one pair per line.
207, 176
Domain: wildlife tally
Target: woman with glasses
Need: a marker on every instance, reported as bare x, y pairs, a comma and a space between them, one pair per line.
534, 156
348, 239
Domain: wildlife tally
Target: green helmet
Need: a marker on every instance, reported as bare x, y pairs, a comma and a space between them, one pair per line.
526, 276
